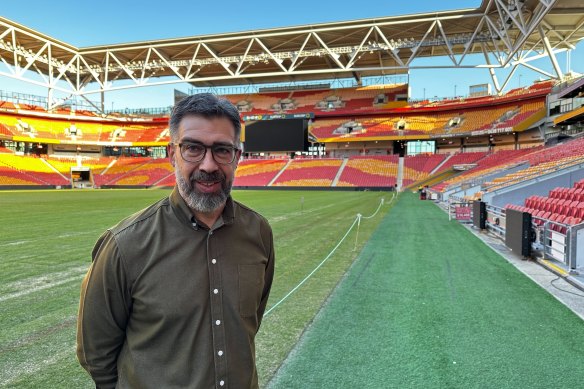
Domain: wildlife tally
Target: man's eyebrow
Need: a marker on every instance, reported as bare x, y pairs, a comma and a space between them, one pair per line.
190, 140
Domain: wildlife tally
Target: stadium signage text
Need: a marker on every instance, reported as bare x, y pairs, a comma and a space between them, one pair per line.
279, 116
490, 131
463, 213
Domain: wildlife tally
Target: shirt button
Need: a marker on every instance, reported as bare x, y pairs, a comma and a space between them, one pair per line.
210, 232
215, 291
217, 322
213, 261
221, 383
220, 353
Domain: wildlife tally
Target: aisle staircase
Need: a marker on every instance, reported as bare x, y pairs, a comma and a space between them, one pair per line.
338, 176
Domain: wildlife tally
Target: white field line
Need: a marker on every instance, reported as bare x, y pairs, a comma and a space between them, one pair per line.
71, 234
34, 284
61, 236
15, 371
299, 213
15, 243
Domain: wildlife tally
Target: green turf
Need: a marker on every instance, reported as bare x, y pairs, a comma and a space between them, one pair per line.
428, 305
46, 239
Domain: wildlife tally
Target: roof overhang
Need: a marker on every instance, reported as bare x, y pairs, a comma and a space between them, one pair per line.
504, 32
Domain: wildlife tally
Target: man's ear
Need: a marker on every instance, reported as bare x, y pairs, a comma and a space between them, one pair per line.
170, 151
237, 158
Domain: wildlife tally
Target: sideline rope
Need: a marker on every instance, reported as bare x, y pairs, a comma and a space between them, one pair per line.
359, 217
378, 208
356, 221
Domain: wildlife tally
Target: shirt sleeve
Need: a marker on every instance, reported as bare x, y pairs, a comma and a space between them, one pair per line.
104, 309
268, 275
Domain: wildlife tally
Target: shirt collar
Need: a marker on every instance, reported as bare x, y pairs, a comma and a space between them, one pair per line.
185, 214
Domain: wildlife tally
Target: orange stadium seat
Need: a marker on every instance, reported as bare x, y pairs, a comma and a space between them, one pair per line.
309, 172
374, 171
257, 172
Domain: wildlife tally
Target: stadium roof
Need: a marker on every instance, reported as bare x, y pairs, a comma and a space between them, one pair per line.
504, 32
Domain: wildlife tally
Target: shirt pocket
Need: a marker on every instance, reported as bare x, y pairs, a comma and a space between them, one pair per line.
251, 284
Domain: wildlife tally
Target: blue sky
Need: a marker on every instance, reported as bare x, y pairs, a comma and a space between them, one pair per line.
87, 23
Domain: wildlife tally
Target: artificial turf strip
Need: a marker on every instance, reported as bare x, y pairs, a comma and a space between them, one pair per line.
429, 305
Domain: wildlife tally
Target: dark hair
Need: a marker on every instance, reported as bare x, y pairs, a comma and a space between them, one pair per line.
208, 106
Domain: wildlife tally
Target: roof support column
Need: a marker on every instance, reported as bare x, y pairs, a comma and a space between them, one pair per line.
491, 70
551, 54
102, 95
49, 98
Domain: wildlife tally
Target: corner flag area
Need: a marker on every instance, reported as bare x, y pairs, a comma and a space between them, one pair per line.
428, 304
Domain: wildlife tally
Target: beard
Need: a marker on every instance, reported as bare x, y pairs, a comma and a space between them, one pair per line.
203, 202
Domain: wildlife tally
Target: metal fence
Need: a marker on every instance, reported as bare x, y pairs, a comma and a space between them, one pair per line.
559, 241
552, 240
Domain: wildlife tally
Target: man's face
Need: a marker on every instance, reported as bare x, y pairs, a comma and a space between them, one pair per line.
204, 185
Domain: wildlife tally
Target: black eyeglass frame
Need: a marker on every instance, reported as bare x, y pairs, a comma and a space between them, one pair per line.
206, 147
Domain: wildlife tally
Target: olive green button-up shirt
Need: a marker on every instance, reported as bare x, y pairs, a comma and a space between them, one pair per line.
169, 303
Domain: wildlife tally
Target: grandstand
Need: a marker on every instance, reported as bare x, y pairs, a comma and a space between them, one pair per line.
365, 128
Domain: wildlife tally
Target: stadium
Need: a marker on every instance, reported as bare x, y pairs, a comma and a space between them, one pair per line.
421, 242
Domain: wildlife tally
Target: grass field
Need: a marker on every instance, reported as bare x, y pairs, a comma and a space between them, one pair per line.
45, 244
429, 305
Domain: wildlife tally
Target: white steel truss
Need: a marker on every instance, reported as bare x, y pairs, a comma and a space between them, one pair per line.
508, 34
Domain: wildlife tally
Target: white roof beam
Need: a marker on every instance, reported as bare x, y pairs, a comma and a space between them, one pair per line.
334, 56
221, 62
62, 71
356, 52
506, 16
146, 61
550, 53
164, 59
293, 65
392, 50
539, 13
278, 61
192, 61
469, 44
491, 70
243, 57
538, 70
508, 78
93, 73
446, 42
123, 67
416, 48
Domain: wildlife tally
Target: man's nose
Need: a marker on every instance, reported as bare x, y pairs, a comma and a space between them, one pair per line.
208, 163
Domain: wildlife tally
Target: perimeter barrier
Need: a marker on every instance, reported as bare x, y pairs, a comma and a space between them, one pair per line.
356, 224
547, 238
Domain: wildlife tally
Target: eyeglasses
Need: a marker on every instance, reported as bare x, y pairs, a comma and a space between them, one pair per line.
195, 152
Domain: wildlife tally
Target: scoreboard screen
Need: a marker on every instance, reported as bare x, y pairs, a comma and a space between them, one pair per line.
287, 135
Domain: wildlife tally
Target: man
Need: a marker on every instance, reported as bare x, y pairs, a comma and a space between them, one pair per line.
176, 292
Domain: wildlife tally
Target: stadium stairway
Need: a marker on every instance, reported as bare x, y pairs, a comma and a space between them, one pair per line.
122, 176
400, 173
437, 168
112, 163
338, 176
280, 172
434, 179
55, 170
158, 183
